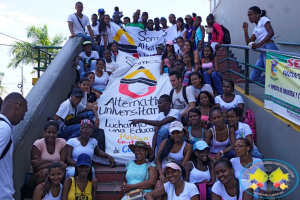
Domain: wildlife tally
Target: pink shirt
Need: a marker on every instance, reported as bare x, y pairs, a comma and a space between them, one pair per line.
41, 145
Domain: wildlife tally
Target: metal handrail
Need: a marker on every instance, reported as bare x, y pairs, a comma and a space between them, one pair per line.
46, 59
289, 43
246, 63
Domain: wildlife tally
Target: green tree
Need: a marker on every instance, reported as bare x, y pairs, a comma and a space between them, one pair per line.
2, 89
24, 52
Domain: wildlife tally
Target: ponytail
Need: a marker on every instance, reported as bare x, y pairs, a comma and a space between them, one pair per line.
256, 9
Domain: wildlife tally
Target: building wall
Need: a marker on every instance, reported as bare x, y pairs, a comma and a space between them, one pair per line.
284, 17
43, 101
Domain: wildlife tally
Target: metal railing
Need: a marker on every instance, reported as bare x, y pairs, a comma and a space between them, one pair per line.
246, 63
289, 43
45, 55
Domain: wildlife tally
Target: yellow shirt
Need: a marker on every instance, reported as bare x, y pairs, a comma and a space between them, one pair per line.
76, 194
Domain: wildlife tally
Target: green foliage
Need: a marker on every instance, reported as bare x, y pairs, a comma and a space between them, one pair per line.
24, 52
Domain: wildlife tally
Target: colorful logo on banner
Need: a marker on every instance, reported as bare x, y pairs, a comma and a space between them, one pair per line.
283, 177
129, 80
274, 70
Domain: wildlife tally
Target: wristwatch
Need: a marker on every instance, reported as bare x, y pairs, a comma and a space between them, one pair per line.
222, 153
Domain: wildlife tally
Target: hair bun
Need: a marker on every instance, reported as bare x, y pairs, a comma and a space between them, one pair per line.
263, 13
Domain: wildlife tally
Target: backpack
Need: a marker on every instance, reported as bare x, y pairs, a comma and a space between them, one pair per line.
183, 93
8, 144
226, 37
250, 120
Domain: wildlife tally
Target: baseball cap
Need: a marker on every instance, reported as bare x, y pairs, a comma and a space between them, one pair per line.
87, 43
83, 159
160, 46
77, 92
175, 126
101, 10
200, 145
188, 17
163, 18
144, 13
172, 165
169, 43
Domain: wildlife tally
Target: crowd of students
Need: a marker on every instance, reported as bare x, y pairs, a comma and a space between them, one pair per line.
200, 137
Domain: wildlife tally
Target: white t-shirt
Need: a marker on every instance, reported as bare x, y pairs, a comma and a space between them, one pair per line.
225, 106
238, 168
219, 189
173, 113
95, 30
79, 149
188, 192
178, 101
6, 163
76, 25
180, 33
260, 30
67, 112
206, 87
111, 67
243, 131
84, 99
87, 59
101, 82
109, 37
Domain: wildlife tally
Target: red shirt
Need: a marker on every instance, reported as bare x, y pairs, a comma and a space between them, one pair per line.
217, 33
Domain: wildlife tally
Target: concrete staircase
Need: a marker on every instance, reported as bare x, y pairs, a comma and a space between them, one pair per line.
221, 54
109, 182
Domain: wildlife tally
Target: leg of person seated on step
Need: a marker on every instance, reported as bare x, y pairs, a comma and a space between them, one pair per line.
163, 133
37, 178
255, 74
69, 132
217, 80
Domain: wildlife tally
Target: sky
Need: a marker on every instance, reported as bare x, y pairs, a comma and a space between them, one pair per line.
17, 15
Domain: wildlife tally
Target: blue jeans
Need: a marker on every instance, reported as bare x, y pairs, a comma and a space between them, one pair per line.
261, 62
82, 71
68, 132
88, 114
88, 38
216, 78
101, 51
163, 133
70, 171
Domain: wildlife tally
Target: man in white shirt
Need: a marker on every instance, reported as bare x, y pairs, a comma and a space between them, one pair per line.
183, 98
86, 60
13, 111
77, 23
68, 110
165, 117
94, 27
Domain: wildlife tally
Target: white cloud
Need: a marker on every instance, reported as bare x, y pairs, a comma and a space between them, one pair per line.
3, 6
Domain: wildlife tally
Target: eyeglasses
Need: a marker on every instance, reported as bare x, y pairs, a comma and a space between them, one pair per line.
85, 129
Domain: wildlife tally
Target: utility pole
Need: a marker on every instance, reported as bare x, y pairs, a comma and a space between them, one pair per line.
22, 81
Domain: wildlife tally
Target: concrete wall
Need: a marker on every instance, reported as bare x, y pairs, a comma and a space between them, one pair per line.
284, 17
43, 101
276, 138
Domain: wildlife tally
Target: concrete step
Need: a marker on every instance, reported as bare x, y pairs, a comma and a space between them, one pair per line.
109, 191
106, 174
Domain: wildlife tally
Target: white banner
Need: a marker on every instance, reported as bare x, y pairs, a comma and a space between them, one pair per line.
132, 92
142, 43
